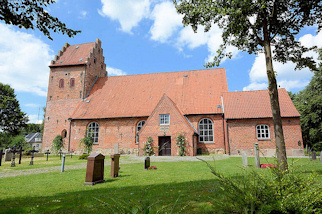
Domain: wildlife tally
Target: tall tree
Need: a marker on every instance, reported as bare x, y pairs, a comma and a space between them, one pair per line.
32, 14
256, 26
12, 119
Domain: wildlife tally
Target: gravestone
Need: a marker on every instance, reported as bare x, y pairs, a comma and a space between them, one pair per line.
7, 155
256, 151
1, 155
95, 169
47, 153
71, 153
33, 151
115, 165
13, 151
20, 154
313, 155
116, 148
60, 153
244, 157
320, 156
63, 164
147, 163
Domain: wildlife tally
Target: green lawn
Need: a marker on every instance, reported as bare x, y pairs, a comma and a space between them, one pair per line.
175, 186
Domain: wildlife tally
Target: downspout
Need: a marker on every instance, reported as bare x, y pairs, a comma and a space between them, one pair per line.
70, 129
84, 82
228, 139
223, 123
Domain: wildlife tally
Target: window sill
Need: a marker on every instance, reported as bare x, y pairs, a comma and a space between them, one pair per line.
209, 142
268, 139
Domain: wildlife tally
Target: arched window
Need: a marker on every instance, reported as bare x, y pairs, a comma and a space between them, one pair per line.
72, 82
93, 130
262, 132
61, 83
206, 133
64, 133
140, 125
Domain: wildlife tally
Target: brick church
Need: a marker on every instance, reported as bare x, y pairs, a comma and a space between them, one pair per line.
82, 99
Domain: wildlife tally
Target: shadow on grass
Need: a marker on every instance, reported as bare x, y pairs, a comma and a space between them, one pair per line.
185, 197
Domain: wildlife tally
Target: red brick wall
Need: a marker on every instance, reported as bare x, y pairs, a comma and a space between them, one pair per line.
218, 145
178, 124
119, 130
242, 136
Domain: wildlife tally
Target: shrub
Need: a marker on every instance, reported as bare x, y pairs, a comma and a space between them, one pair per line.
58, 143
148, 149
87, 142
19, 141
269, 191
181, 141
83, 157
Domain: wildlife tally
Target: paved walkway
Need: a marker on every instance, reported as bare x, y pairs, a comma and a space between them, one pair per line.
126, 160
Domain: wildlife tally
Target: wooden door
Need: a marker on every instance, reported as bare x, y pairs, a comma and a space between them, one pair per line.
165, 146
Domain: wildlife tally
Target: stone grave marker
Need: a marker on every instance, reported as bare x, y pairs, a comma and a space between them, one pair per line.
257, 161
1, 154
116, 148
47, 153
71, 153
115, 160
33, 151
313, 156
147, 163
7, 155
13, 150
60, 153
320, 156
20, 154
244, 157
95, 169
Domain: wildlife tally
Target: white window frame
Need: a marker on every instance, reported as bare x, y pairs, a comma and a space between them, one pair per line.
262, 132
93, 131
164, 119
140, 125
206, 131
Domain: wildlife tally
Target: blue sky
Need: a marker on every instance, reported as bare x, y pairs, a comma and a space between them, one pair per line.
138, 36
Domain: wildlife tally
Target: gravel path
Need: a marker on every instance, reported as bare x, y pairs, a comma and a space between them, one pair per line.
127, 160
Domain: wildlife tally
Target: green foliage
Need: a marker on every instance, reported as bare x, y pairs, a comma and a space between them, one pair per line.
181, 141
31, 128
19, 141
87, 142
83, 157
273, 191
58, 143
148, 149
12, 119
308, 103
33, 14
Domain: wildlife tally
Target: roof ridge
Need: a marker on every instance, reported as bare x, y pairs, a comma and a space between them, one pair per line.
251, 90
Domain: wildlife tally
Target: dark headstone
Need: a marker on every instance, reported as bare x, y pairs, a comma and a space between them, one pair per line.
147, 163
71, 153
13, 150
1, 154
33, 151
60, 153
20, 154
47, 153
115, 160
95, 169
313, 155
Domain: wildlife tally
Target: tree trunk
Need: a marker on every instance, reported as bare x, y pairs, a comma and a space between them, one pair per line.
277, 120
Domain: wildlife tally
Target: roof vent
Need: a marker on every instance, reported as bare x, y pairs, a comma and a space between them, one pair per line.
60, 61
81, 60
185, 75
218, 106
77, 47
88, 101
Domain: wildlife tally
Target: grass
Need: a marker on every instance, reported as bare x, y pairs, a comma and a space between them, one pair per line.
175, 186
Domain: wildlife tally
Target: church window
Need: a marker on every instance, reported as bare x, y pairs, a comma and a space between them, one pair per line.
72, 82
140, 125
262, 132
206, 133
61, 83
164, 119
92, 131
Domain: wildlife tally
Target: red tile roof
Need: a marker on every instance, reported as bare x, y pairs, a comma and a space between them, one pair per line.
74, 55
256, 104
194, 92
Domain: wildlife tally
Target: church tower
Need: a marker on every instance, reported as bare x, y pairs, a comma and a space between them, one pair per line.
73, 73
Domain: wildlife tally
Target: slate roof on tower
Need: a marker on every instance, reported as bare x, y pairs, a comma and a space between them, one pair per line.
256, 104
74, 55
194, 92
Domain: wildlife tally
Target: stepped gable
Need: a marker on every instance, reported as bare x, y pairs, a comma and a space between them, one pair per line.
73, 55
194, 92
256, 104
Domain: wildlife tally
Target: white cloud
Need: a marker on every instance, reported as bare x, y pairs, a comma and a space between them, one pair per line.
83, 15
24, 61
255, 86
127, 12
32, 105
166, 21
287, 76
34, 119
114, 71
